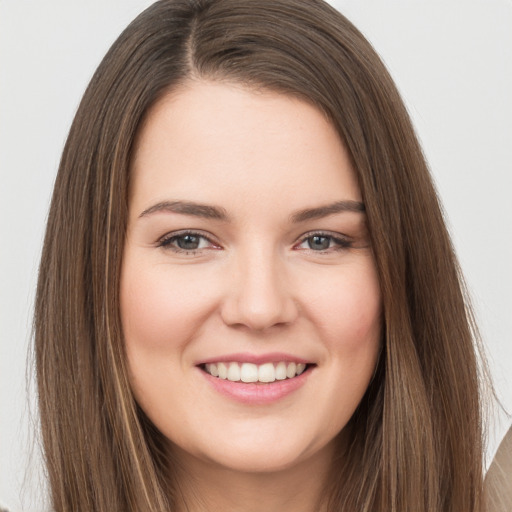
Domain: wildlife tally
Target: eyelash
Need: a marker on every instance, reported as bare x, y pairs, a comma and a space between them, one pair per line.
342, 243
167, 241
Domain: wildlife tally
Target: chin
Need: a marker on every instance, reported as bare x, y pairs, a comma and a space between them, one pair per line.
249, 461
257, 454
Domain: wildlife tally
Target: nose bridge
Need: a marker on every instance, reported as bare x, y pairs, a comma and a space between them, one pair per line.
259, 294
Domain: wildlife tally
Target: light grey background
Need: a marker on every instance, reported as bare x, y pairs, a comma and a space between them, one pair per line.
452, 61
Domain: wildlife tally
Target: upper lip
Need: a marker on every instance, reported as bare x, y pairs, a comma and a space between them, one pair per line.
271, 357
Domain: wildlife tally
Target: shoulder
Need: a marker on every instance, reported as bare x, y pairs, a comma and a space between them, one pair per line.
498, 481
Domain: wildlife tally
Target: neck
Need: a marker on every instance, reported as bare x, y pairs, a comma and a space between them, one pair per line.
205, 486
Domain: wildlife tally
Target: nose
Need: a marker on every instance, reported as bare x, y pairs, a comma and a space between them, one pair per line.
259, 294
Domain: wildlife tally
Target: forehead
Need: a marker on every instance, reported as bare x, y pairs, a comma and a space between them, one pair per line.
215, 142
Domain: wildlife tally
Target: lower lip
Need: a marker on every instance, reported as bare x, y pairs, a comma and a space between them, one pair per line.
257, 393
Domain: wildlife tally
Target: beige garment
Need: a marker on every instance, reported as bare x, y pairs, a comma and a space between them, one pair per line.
498, 481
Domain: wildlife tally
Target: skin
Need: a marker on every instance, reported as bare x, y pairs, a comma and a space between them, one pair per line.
254, 285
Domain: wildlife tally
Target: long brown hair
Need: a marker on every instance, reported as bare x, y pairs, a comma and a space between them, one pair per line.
415, 441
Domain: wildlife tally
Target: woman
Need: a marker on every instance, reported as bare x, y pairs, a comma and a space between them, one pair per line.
248, 298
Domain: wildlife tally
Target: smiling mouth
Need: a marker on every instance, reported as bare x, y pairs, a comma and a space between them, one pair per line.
255, 373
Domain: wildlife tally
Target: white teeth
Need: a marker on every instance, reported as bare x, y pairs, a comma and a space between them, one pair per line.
281, 371
234, 372
266, 373
212, 369
223, 370
290, 370
249, 372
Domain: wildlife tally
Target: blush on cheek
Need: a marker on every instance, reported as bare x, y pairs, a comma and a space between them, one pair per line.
160, 311
354, 324
144, 315
368, 326
365, 311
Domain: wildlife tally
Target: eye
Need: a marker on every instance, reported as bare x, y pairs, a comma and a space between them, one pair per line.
319, 242
322, 242
186, 241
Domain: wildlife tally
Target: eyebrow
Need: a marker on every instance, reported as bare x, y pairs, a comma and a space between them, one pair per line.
218, 213
188, 208
328, 209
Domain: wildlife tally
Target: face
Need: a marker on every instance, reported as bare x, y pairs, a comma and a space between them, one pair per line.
249, 297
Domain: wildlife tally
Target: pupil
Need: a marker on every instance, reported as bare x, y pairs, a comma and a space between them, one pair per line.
319, 242
189, 242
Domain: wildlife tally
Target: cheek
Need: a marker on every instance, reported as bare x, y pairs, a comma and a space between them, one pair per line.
160, 311
348, 310
350, 319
